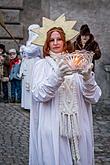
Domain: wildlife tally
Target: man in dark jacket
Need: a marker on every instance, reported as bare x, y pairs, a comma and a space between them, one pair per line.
4, 72
85, 40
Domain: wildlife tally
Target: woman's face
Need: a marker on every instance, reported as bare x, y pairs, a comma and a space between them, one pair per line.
56, 43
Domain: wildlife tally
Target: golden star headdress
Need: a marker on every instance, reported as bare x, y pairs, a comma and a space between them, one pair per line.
48, 24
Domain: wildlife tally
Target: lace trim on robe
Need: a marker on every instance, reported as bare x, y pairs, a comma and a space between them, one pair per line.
69, 119
68, 111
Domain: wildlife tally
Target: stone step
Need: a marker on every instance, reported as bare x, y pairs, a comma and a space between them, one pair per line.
15, 30
11, 16
11, 4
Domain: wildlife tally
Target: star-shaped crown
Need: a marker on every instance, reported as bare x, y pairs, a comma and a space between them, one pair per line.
48, 24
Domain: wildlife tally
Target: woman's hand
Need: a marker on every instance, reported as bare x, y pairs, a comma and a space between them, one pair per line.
63, 68
86, 73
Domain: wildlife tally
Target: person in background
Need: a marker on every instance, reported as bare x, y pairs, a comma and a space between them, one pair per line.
85, 40
61, 129
13, 76
30, 54
4, 72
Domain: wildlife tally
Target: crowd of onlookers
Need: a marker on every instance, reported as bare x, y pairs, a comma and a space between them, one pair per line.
16, 70
10, 83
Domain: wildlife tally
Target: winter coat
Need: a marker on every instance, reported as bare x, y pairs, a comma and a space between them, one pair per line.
91, 45
4, 66
14, 69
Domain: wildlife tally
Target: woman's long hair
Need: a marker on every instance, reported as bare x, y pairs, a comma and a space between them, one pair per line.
46, 48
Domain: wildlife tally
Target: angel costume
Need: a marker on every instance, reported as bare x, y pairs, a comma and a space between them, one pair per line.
61, 128
30, 54
26, 72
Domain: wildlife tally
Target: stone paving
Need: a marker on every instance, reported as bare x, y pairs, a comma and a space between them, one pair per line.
102, 133
14, 135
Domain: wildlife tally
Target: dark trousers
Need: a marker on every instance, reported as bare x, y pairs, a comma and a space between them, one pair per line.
16, 89
5, 90
0, 87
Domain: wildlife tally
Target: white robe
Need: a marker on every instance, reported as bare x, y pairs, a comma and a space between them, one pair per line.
47, 147
26, 73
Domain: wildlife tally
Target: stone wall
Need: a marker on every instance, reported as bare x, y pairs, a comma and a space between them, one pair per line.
10, 10
19, 14
31, 14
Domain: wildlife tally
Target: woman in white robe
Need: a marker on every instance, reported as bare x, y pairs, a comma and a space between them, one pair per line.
47, 145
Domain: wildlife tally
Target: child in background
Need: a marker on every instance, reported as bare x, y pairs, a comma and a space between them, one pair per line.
14, 79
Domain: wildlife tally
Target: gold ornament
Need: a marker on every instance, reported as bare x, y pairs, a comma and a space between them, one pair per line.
48, 24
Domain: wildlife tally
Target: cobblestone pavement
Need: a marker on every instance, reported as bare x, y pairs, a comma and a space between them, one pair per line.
14, 135
102, 134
